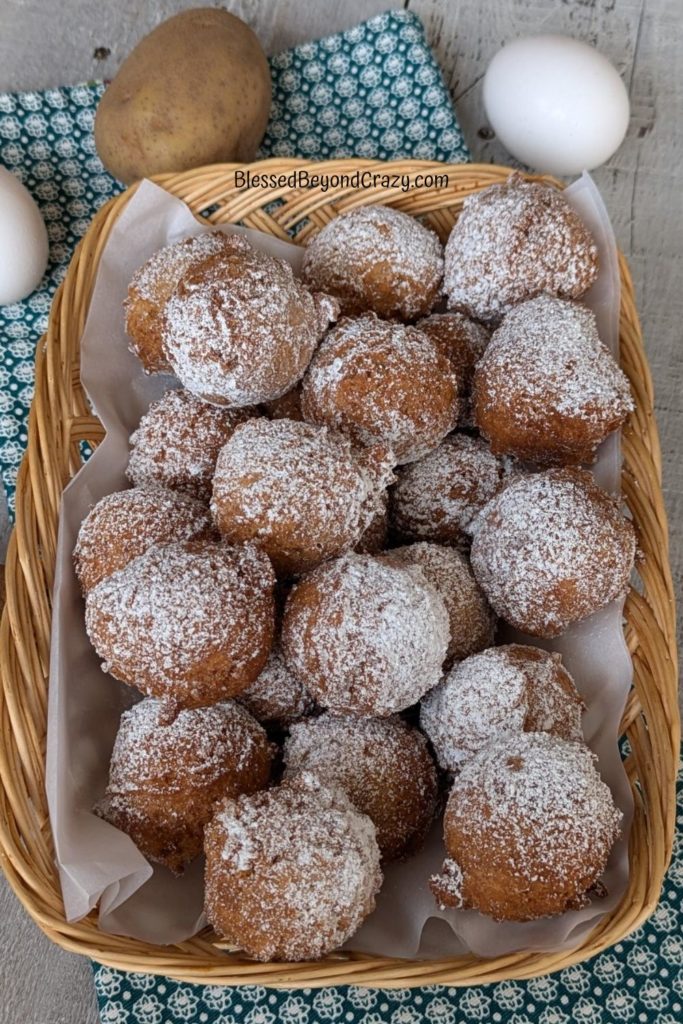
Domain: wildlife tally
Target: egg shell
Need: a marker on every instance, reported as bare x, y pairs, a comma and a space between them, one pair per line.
23, 241
556, 104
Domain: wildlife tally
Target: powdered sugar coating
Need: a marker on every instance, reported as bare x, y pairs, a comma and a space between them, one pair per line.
437, 498
178, 441
151, 287
550, 549
277, 696
383, 766
528, 829
512, 242
165, 775
191, 623
240, 329
123, 525
155, 280
501, 691
382, 383
447, 885
472, 622
376, 258
160, 753
297, 490
291, 873
364, 636
463, 342
547, 390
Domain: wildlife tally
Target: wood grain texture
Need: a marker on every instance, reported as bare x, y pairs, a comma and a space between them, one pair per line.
40, 983
43, 44
90, 38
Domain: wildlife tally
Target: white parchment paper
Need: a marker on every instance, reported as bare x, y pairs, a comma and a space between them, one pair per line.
100, 865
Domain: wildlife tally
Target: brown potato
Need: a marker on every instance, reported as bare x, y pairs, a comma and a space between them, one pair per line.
194, 91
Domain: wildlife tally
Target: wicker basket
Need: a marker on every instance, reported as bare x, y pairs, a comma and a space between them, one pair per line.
60, 420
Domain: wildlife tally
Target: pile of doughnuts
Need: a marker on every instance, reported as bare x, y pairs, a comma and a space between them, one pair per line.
356, 479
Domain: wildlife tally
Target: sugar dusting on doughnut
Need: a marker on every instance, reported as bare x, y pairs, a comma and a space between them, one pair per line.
528, 829
383, 765
190, 622
366, 637
512, 242
123, 525
151, 287
437, 497
382, 383
503, 690
472, 622
550, 549
277, 695
171, 262
547, 390
376, 258
292, 872
166, 774
297, 490
240, 328
204, 739
178, 440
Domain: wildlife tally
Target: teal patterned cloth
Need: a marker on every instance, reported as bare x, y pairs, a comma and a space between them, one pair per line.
374, 91
46, 141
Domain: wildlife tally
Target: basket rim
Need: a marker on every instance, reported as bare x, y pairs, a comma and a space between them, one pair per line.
22, 808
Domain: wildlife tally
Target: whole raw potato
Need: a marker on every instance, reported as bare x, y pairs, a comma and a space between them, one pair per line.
194, 91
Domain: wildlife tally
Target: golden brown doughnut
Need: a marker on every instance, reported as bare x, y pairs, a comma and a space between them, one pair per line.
528, 829
513, 242
191, 623
298, 491
277, 697
366, 637
464, 342
498, 692
123, 525
382, 764
382, 383
379, 259
471, 620
547, 390
178, 440
550, 549
151, 288
291, 873
240, 329
165, 776
437, 497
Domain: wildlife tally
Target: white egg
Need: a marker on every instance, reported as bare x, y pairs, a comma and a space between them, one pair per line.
556, 104
23, 241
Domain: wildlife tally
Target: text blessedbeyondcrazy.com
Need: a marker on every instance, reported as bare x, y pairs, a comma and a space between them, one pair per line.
302, 178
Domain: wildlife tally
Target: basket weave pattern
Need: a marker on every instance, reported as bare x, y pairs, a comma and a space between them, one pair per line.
60, 419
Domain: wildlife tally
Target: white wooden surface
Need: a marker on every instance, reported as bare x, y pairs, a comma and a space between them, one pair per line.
44, 43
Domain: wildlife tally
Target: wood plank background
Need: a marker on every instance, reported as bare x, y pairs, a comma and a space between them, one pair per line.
43, 43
